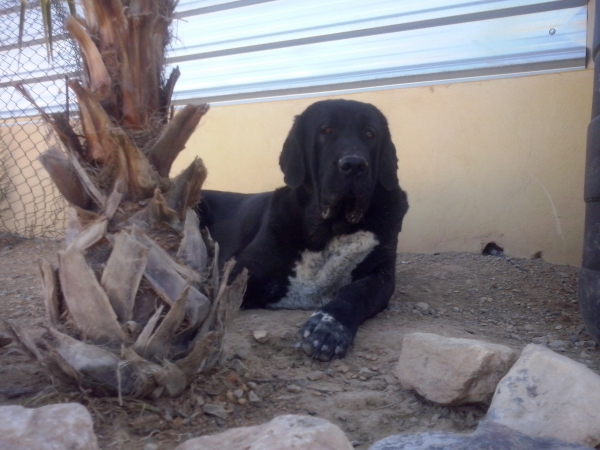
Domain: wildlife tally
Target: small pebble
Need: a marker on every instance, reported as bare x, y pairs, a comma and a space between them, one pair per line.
314, 376
287, 336
215, 410
253, 398
261, 336
422, 307
391, 379
238, 393
366, 373
342, 368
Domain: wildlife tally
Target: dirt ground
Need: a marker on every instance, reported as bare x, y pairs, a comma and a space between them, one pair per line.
497, 299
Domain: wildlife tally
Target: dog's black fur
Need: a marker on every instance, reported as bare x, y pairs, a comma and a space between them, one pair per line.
340, 170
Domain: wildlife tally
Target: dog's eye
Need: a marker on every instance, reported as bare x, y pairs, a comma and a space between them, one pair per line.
326, 130
370, 134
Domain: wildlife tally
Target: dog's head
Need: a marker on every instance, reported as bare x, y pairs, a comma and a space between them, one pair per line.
339, 150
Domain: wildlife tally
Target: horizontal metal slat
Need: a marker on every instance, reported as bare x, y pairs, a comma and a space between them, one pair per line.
278, 23
509, 41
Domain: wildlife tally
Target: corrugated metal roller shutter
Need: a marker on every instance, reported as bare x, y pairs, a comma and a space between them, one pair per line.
264, 50
248, 50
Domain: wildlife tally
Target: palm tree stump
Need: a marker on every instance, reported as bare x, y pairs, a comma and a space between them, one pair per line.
135, 305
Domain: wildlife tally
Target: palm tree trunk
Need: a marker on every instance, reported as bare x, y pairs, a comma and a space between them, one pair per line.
135, 304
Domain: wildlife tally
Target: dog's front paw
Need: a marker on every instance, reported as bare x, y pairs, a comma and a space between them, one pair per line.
324, 338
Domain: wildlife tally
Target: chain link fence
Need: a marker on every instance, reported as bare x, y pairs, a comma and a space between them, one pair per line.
30, 206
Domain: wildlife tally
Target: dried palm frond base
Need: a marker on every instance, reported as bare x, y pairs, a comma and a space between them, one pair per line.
135, 305
140, 322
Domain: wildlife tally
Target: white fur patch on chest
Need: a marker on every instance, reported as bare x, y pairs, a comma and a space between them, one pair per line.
318, 275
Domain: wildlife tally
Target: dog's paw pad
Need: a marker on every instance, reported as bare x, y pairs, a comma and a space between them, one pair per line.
324, 338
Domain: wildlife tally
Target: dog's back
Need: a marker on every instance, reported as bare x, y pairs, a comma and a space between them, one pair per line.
233, 219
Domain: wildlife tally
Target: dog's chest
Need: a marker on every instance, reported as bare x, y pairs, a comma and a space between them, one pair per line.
318, 275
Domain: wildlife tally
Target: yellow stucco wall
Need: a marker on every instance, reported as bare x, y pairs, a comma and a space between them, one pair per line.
499, 160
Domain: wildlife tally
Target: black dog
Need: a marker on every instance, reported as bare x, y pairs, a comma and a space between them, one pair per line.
328, 239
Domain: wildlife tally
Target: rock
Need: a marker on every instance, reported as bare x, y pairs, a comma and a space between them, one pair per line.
366, 373
391, 379
452, 371
65, 426
325, 386
293, 432
264, 390
151, 446
316, 375
342, 368
214, 410
253, 398
238, 393
549, 395
557, 344
540, 340
287, 336
487, 436
422, 307
261, 336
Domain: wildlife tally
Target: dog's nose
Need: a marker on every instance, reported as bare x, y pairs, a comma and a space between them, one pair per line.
353, 165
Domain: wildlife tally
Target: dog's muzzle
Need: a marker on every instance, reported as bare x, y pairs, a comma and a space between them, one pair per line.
351, 195
353, 166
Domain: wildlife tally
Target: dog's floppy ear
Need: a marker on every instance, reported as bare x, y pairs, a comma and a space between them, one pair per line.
291, 159
388, 165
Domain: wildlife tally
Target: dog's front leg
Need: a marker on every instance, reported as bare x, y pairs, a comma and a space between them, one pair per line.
330, 330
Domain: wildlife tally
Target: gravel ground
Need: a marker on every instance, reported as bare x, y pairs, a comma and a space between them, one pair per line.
493, 298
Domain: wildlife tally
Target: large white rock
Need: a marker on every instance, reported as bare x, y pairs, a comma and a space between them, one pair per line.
452, 371
487, 436
290, 432
547, 394
66, 426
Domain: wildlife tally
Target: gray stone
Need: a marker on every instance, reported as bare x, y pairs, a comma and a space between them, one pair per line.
325, 386
284, 432
264, 390
316, 375
253, 398
557, 344
214, 410
549, 395
66, 426
261, 336
422, 307
451, 370
487, 436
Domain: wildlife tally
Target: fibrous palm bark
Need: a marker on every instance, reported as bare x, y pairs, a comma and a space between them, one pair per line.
135, 305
